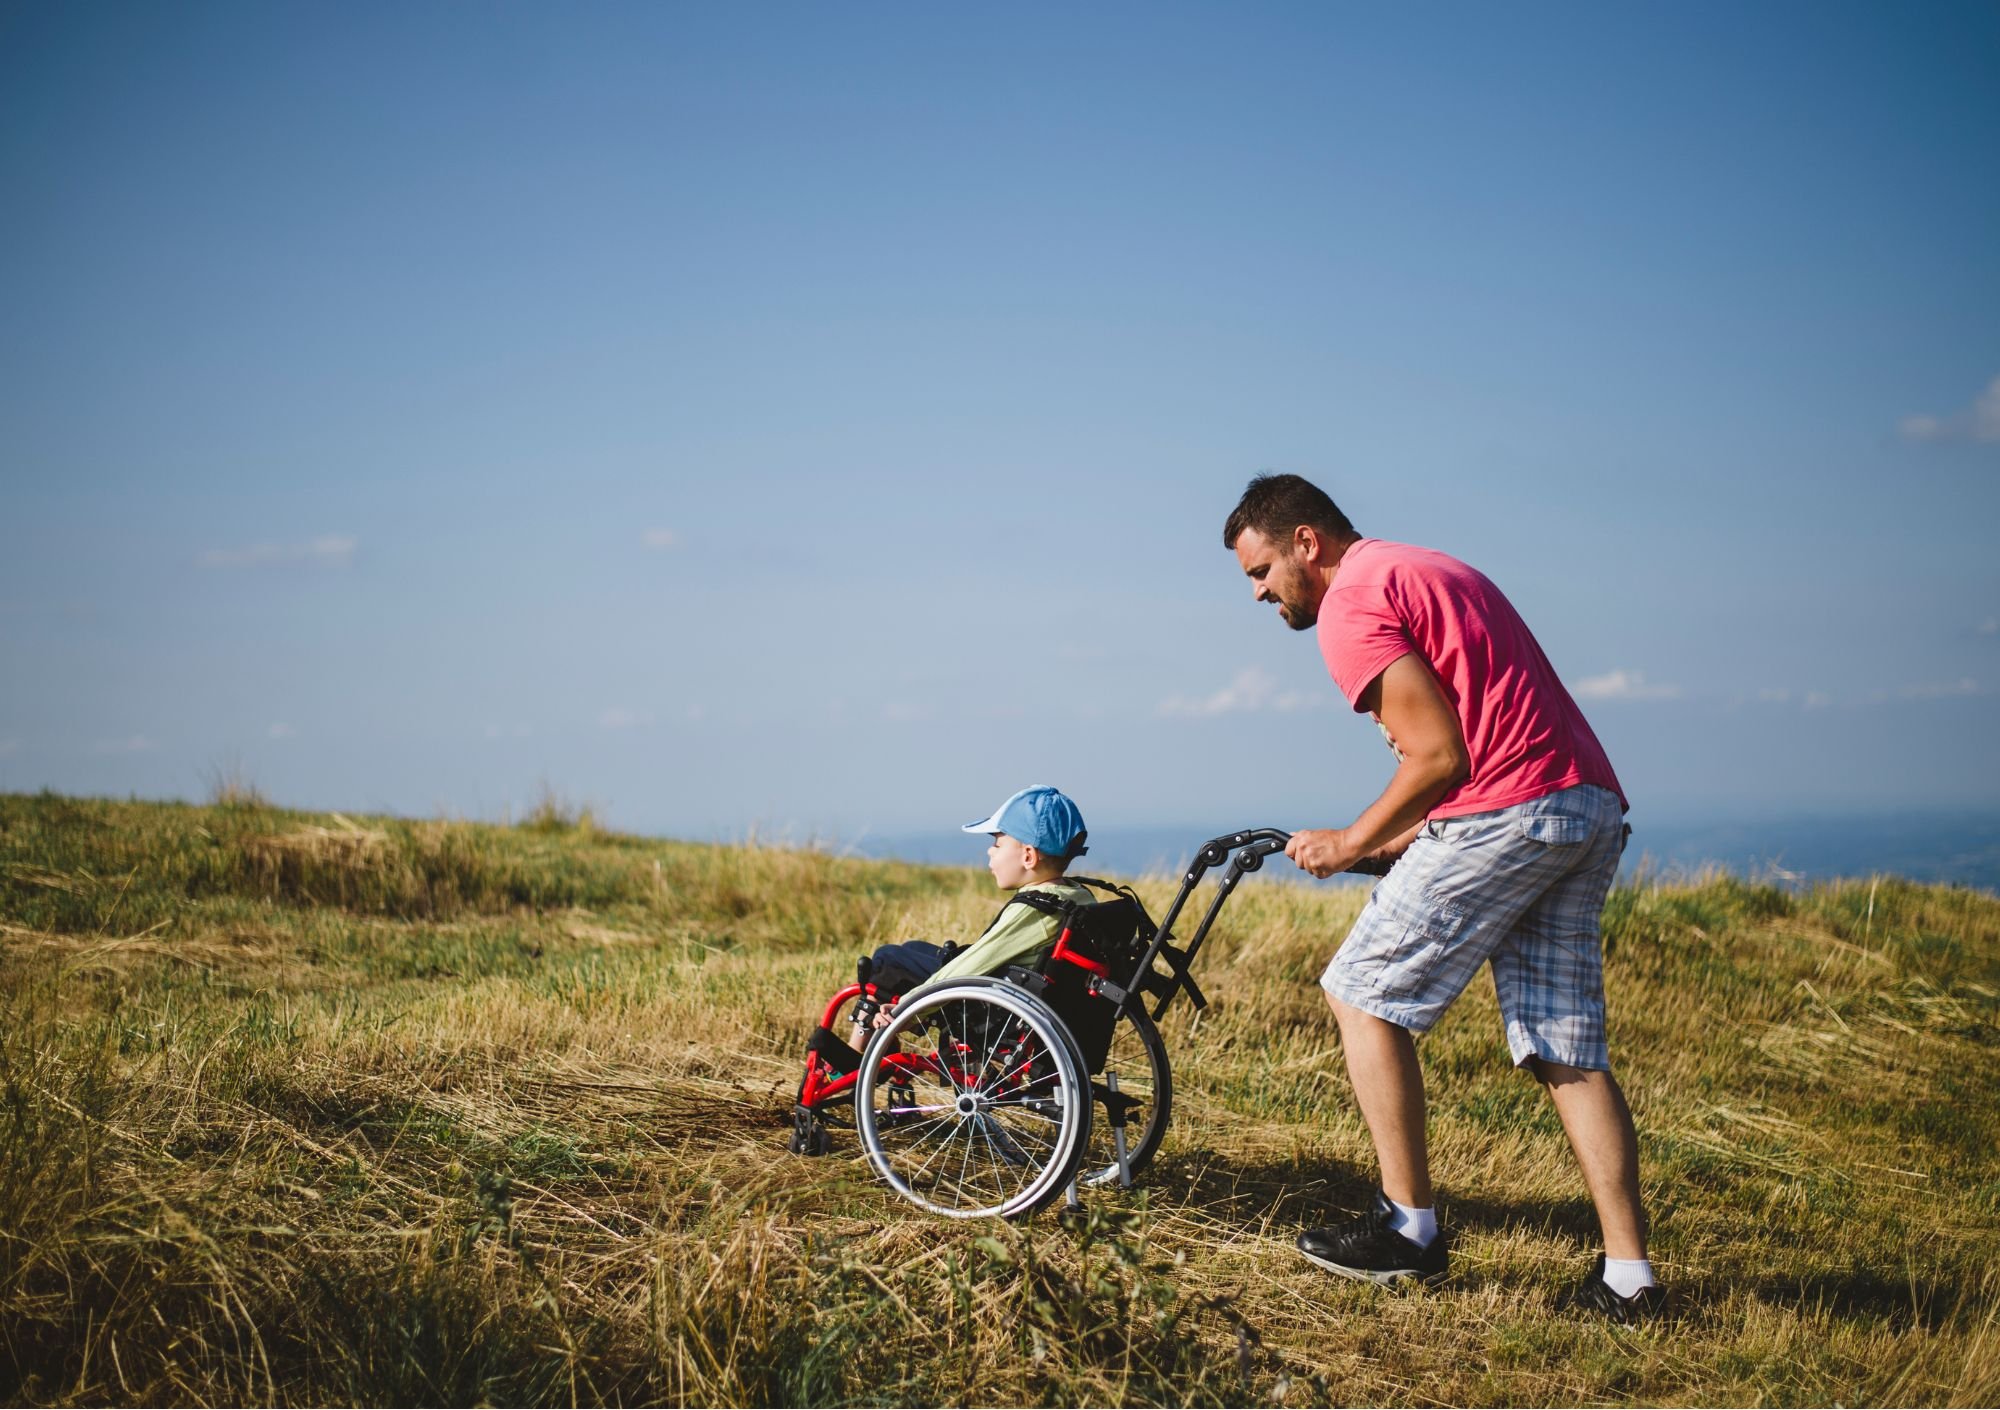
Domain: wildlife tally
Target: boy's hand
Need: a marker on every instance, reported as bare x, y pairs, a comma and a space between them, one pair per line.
884, 1014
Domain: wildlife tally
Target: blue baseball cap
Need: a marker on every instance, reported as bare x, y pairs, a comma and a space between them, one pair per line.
1040, 817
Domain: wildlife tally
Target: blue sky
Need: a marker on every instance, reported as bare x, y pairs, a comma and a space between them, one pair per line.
820, 419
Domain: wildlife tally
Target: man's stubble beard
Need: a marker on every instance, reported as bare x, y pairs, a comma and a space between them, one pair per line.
1299, 616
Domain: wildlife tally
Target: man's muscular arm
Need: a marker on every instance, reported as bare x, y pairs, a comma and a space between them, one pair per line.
1413, 708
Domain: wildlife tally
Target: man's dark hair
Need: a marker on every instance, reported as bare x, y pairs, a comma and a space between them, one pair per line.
1274, 505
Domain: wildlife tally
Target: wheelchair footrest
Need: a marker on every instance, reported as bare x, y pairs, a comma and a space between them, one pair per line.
837, 1054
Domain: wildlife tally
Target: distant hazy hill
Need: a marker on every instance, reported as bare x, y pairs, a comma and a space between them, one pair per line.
1952, 848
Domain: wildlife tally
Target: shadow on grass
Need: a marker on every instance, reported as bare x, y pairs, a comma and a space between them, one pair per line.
1285, 1192
1862, 1294
1299, 1194
1312, 1192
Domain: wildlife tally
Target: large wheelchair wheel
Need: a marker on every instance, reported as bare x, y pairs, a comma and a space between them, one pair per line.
1139, 1059
973, 1101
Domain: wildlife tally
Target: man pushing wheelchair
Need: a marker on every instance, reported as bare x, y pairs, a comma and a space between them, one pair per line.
1506, 823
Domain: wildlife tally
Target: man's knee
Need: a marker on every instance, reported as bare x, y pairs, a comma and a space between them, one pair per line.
1553, 1075
1358, 1024
1344, 1013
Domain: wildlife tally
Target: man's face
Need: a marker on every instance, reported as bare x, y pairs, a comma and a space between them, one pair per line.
1278, 575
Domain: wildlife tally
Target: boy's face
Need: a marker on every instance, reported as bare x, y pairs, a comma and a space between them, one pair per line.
1006, 859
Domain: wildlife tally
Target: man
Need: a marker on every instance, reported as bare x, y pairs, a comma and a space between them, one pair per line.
1505, 823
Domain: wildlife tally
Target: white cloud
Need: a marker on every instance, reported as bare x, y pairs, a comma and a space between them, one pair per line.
281, 730
1773, 695
1941, 690
1624, 685
1979, 422
8, 746
660, 538
131, 744
622, 717
1989, 627
1818, 700
1253, 689
905, 712
328, 551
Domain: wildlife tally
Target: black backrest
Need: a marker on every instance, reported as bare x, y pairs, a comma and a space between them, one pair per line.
1114, 933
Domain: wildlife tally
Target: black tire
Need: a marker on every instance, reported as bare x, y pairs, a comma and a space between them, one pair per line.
1139, 1058
996, 1119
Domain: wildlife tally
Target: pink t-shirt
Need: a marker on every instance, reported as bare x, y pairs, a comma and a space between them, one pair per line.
1524, 733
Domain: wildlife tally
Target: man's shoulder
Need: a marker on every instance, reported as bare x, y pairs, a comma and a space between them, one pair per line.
1405, 581
1377, 560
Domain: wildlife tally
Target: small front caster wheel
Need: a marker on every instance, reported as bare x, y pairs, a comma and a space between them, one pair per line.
809, 1135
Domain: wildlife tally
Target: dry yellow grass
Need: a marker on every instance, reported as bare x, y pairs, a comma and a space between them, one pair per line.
308, 1110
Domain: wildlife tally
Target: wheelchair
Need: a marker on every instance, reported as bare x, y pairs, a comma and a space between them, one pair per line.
979, 1097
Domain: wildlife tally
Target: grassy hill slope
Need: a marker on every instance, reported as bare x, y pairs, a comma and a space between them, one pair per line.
300, 1108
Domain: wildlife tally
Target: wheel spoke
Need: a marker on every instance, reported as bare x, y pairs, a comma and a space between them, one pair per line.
993, 1115
947, 1130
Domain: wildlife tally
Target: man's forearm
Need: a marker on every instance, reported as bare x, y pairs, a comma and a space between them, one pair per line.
1412, 792
1430, 745
1396, 845
1391, 819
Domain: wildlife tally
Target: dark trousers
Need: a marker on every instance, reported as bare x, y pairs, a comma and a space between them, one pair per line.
901, 967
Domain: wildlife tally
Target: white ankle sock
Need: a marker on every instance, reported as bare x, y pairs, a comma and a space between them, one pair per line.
1419, 1226
1626, 1276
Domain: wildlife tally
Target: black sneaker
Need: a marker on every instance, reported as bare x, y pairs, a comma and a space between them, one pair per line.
1593, 1294
1370, 1250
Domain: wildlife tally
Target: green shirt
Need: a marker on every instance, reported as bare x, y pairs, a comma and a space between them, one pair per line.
1016, 936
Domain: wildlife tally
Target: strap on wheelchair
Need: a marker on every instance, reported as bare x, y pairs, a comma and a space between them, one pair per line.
833, 1051
1052, 905
1161, 986
1113, 887
1034, 900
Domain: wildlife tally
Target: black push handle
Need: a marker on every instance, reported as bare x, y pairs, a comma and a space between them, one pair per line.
1215, 851
1250, 854
1250, 847
1244, 852
1252, 857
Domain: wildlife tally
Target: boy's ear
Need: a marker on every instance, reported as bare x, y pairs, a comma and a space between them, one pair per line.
1031, 856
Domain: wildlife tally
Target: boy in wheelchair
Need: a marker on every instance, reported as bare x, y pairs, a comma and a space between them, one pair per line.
965, 1075
1036, 834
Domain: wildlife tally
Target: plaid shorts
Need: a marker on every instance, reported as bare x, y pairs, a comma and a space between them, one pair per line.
1522, 887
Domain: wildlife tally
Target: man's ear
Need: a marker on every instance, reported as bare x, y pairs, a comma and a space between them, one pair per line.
1305, 542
